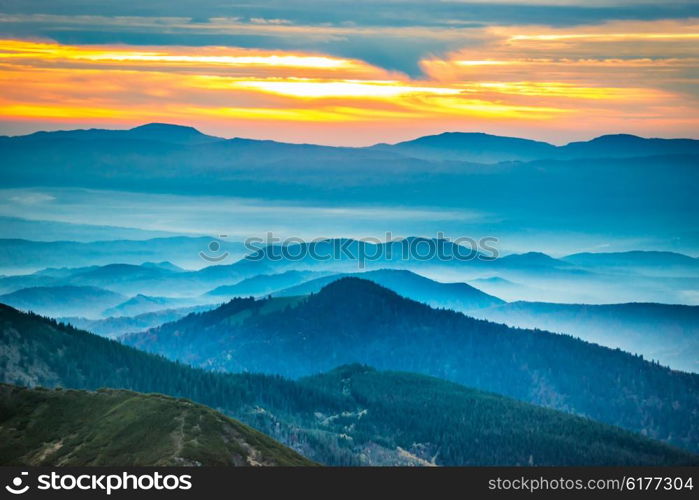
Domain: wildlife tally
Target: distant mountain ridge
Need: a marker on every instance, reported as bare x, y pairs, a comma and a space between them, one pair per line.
475, 147
68, 300
150, 286
19, 228
263, 284
141, 304
180, 250
458, 146
254, 273
666, 333
117, 326
486, 148
159, 132
635, 258
649, 181
457, 296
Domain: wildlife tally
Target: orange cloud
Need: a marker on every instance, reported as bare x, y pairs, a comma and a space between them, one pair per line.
223, 56
530, 81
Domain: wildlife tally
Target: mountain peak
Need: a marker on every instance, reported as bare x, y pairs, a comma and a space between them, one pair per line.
169, 132
617, 136
474, 140
531, 259
162, 127
350, 286
363, 296
614, 139
471, 146
166, 265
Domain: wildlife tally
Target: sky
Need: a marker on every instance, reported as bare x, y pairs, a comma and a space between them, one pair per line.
353, 73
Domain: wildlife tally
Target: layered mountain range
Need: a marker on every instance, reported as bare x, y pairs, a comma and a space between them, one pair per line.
353, 415
355, 320
503, 182
140, 325
118, 299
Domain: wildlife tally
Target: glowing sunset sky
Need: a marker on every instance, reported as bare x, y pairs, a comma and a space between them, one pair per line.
356, 73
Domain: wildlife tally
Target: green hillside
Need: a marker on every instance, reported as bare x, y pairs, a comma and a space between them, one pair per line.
357, 321
124, 428
350, 416
430, 421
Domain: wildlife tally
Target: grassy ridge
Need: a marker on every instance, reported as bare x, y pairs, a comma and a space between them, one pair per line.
117, 427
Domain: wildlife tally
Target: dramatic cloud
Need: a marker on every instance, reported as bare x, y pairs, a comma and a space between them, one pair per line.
378, 71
